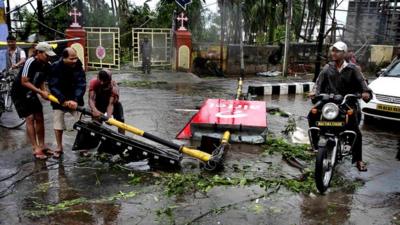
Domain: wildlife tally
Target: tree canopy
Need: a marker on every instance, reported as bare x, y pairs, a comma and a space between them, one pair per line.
263, 19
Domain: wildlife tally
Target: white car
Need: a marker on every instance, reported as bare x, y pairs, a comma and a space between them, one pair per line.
385, 102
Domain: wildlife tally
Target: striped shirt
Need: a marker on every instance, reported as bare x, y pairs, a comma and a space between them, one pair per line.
35, 71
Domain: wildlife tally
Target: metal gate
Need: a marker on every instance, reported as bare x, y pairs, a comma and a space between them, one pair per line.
161, 42
103, 47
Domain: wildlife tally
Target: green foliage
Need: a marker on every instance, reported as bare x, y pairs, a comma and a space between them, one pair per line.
168, 213
30, 25
280, 145
56, 19
290, 126
120, 196
134, 179
194, 13
43, 187
48, 209
178, 184
304, 185
212, 27
44, 210
99, 15
264, 21
338, 181
134, 17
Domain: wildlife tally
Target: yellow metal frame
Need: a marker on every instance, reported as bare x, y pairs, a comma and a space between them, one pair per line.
138, 32
116, 46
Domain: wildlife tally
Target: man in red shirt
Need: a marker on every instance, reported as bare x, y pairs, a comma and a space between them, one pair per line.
104, 97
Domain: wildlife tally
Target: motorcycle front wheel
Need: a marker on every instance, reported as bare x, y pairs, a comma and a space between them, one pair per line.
324, 165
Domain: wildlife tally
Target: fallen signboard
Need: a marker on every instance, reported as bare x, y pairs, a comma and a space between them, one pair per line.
238, 116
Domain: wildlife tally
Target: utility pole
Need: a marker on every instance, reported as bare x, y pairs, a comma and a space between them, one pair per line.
287, 37
357, 22
221, 51
334, 23
240, 80
40, 16
320, 41
241, 41
8, 16
173, 36
80, 7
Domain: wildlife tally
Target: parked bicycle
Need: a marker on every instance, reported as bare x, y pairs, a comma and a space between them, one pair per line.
6, 80
6, 105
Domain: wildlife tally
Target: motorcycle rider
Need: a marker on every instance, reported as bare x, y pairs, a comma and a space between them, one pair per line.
341, 77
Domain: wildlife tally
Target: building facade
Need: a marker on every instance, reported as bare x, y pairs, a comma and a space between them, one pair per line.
373, 22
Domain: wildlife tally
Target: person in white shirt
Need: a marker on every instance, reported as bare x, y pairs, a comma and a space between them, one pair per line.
15, 55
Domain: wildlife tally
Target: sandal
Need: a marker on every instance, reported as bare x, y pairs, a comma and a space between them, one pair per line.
47, 151
39, 154
361, 166
57, 154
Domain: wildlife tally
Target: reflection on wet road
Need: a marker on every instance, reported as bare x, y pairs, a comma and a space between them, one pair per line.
84, 191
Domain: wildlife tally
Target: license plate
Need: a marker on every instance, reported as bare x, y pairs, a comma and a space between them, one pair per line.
329, 124
388, 108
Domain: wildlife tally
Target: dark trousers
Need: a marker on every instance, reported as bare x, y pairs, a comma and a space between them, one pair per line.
146, 64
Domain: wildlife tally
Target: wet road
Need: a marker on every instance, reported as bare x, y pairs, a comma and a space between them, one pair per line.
91, 192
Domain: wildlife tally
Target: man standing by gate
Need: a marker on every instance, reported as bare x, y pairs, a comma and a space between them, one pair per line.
145, 50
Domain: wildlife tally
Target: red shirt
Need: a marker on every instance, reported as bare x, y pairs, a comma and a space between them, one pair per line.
95, 86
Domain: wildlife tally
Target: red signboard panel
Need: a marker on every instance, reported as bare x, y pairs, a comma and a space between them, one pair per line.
227, 114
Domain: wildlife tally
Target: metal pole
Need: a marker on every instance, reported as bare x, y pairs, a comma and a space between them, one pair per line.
82, 17
320, 41
173, 39
241, 41
221, 52
287, 37
40, 16
333, 37
8, 16
240, 81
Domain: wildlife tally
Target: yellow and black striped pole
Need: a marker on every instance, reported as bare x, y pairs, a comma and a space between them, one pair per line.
239, 88
203, 156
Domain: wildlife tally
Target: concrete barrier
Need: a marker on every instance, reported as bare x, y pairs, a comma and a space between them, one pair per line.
281, 88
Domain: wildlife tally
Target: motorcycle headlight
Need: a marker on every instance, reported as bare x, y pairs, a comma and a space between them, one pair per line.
330, 111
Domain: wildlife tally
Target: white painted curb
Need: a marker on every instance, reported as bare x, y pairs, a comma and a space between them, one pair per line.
280, 88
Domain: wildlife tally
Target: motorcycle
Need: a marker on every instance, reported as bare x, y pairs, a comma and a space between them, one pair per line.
6, 104
330, 135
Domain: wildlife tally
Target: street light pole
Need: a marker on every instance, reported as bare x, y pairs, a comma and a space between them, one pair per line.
320, 41
221, 51
82, 18
241, 40
8, 16
40, 16
287, 37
